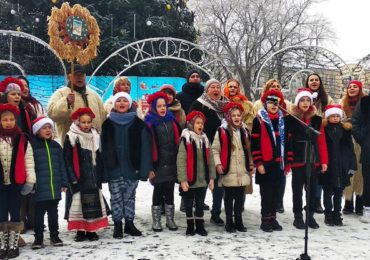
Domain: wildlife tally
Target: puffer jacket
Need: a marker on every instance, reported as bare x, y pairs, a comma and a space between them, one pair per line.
50, 169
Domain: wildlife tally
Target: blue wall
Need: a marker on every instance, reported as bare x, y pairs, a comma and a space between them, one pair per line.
43, 86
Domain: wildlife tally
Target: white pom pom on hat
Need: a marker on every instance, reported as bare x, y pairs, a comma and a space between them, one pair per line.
304, 92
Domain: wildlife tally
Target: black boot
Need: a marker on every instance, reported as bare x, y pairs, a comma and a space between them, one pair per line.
229, 227
199, 227
118, 232
359, 206
329, 218
298, 221
215, 219
312, 222
14, 232
55, 240
239, 226
92, 236
338, 221
3, 239
274, 223
131, 229
266, 224
280, 208
80, 236
348, 207
318, 207
38, 243
190, 227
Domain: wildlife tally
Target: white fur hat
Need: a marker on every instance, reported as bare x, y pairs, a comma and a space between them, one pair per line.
119, 95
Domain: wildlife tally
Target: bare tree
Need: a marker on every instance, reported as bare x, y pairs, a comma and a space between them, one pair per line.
244, 33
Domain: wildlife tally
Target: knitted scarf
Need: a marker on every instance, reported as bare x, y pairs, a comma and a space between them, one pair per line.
152, 118
122, 118
216, 105
9, 134
352, 102
264, 116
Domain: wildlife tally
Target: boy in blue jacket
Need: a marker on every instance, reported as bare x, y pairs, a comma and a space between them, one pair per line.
51, 180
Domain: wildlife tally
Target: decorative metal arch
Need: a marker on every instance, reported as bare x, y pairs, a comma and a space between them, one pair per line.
34, 39
163, 48
362, 71
285, 63
14, 64
307, 71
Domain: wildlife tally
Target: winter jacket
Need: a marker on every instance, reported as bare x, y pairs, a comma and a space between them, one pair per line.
238, 160
126, 150
213, 121
60, 112
166, 143
361, 128
7, 162
190, 92
50, 169
341, 155
178, 112
90, 176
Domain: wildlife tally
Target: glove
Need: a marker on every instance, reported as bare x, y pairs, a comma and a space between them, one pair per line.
351, 172
27, 188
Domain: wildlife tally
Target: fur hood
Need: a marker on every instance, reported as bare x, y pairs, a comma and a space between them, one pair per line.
298, 113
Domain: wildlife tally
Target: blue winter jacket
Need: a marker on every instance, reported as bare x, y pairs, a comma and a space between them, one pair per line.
50, 169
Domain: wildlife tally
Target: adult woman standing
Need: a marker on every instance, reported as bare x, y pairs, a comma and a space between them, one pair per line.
33, 106
211, 104
352, 97
314, 83
174, 105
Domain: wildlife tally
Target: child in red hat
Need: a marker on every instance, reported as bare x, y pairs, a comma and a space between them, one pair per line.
271, 155
342, 163
87, 213
195, 171
17, 177
233, 159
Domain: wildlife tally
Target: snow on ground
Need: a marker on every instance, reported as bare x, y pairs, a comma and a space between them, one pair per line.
348, 242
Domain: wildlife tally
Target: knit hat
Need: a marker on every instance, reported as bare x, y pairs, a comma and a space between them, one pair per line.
209, 83
39, 123
190, 118
10, 108
333, 110
169, 88
190, 72
119, 95
11, 84
152, 99
77, 69
356, 82
304, 92
274, 96
82, 111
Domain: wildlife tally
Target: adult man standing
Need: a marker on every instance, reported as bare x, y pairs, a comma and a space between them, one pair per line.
191, 90
65, 101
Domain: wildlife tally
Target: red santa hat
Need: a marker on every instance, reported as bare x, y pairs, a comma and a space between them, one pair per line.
10, 108
11, 84
39, 123
193, 115
304, 92
82, 111
274, 96
356, 82
333, 110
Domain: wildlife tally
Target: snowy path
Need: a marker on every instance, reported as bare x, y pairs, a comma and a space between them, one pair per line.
348, 242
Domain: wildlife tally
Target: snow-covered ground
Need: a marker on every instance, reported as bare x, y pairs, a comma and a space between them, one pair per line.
348, 242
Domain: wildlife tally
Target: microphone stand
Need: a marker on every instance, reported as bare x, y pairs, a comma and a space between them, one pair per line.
309, 161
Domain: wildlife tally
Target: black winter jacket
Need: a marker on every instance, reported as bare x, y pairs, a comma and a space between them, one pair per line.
190, 92
361, 128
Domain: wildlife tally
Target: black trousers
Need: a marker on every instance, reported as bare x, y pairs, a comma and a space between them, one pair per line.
269, 197
366, 192
51, 207
198, 195
298, 183
163, 191
233, 201
332, 197
10, 203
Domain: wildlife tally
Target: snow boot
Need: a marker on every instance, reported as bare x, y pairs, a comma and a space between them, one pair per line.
239, 226
3, 239
92, 236
329, 221
156, 216
229, 227
366, 216
199, 226
274, 223
215, 219
359, 206
266, 224
298, 221
38, 243
55, 240
348, 207
170, 213
190, 226
131, 229
338, 221
118, 232
80, 236
312, 222
14, 232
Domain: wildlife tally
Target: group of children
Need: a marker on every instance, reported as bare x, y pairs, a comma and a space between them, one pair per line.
129, 150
